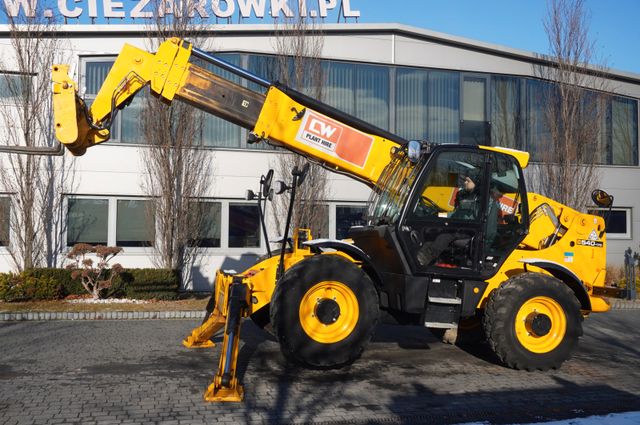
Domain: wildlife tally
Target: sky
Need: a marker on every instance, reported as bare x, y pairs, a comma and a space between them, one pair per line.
513, 23
516, 23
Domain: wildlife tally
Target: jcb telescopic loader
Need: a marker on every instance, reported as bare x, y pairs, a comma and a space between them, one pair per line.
453, 240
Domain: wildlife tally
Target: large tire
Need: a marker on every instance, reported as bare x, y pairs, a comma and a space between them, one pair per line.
324, 311
533, 322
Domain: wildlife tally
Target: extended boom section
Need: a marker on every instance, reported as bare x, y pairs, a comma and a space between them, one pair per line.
280, 117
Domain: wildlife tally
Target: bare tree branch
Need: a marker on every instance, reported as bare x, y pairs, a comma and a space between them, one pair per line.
177, 171
35, 183
574, 107
298, 44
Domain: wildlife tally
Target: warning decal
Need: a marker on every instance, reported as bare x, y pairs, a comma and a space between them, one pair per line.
334, 138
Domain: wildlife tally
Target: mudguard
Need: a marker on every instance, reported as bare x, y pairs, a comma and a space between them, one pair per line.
320, 245
561, 272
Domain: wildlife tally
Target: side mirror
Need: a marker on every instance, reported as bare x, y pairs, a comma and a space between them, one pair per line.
250, 195
280, 187
602, 198
414, 150
303, 173
266, 183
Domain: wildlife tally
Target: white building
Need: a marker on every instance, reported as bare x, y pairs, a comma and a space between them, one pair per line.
413, 82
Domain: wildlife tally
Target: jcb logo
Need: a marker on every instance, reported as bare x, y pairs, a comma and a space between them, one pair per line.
322, 128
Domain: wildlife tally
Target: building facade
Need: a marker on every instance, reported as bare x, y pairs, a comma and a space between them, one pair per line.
412, 82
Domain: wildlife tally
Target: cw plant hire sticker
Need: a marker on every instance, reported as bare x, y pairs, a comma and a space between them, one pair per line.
568, 257
334, 138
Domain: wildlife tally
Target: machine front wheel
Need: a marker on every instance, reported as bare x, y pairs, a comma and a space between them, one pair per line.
533, 322
324, 311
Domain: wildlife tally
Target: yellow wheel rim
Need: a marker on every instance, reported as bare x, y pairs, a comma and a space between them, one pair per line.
540, 324
329, 312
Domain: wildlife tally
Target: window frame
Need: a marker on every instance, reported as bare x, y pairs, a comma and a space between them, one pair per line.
333, 215
13, 100
66, 212
628, 215
112, 212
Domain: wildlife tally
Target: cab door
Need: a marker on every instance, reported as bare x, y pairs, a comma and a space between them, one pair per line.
435, 234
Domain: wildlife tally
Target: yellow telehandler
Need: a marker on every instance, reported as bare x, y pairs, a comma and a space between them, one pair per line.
453, 239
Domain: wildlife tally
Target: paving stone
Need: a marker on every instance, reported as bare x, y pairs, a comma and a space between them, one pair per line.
136, 371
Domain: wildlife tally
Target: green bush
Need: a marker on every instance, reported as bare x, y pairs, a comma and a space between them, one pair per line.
23, 287
161, 284
63, 277
48, 284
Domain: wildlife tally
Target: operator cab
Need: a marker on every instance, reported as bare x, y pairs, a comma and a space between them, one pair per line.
453, 212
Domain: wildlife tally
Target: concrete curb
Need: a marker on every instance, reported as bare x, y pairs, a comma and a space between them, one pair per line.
99, 315
154, 315
617, 304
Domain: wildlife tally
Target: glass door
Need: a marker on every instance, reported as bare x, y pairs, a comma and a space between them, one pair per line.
475, 128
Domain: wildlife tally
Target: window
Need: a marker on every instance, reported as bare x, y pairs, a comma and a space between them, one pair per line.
411, 103
348, 216
444, 107
618, 222
13, 85
244, 226
505, 112
210, 219
624, 131
474, 124
358, 89
216, 131
5, 216
538, 131
134, 224
372, 94
87, 221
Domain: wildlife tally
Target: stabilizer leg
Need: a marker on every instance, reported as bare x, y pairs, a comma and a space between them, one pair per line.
225, 385
200, 336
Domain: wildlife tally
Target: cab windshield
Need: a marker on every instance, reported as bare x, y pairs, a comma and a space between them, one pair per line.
393, 189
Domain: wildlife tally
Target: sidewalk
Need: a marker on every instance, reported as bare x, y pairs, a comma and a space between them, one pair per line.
99, 315
151, 315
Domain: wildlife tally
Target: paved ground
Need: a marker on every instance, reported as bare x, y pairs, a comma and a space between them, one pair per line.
136, 372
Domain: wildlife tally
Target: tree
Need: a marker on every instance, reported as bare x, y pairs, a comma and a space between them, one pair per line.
35, 183
298, 45
573, 108
177, 172
94, 276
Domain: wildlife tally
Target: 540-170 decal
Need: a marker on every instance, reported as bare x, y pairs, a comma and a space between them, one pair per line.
588, 242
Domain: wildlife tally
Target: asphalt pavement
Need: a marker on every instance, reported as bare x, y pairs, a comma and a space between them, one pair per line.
136, 371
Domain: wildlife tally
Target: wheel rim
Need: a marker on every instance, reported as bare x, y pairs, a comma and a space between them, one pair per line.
540, 324
329, 312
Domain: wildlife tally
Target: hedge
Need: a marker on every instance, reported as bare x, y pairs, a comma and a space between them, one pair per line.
161, 284
22, 287
50, 283
63, 277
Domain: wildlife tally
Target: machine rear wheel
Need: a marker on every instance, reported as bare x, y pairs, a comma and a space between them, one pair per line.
533, 322
324, 311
